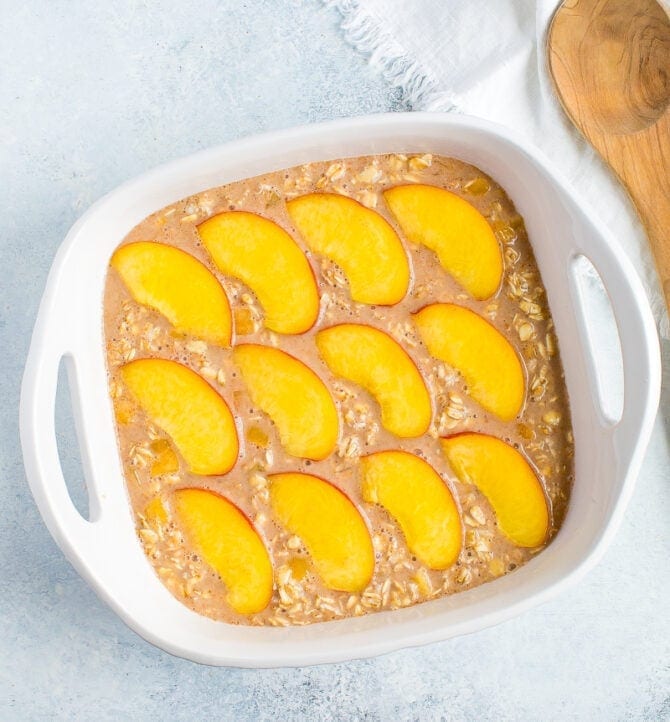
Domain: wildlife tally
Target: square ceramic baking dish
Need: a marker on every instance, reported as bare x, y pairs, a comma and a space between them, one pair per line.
105, 549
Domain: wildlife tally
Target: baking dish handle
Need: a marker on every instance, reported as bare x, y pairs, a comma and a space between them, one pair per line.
640, 351
49, 345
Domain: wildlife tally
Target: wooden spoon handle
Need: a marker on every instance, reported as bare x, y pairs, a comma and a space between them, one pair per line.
610, 60
642, 162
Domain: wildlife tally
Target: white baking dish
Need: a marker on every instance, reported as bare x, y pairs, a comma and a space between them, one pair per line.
105, 550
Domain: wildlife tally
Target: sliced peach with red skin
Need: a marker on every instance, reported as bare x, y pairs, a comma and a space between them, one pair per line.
359, 240
293, 396
263, 255
372, 359
418, 499
330, 526
484, 357
454, 229
188, 409
177, 285
507, 480
227, 541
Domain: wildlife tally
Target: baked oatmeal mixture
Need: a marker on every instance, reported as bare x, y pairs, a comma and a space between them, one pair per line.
542, 431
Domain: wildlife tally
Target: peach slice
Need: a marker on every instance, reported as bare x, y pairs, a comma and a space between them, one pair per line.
293, 396
418, 499
227, 542
378, 363
330, 526
507, 480
484, 357
188, 409
455, 230
359, 240
264, 257
177, 285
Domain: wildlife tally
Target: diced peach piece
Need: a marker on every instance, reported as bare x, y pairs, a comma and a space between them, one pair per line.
245, 324
455, 230
155, 511
293, 396
359, 240
507, 480
258, 437
166, 463
330, 526
262, 255
188, 409
177, 285
124, 410
299, 568
166, 460
378, 363
418, 499
484, 357
227, 542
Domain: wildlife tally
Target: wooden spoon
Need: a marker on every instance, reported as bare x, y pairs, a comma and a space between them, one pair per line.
610, 60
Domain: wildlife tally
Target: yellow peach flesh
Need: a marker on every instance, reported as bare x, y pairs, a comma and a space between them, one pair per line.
188, 409
227, 542
329, 525
455, 230
263, 255
507, 480
485, 358
155, 512
359, 240
418, 499
371, 358
178, 286
293, 396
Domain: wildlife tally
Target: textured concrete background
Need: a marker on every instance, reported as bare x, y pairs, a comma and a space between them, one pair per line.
92, 94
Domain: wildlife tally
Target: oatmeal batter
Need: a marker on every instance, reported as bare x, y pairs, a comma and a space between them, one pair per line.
542, 431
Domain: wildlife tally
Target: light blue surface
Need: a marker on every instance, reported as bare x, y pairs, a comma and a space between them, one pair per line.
92, 94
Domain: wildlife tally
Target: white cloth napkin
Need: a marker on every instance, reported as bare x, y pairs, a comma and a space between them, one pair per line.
489, 59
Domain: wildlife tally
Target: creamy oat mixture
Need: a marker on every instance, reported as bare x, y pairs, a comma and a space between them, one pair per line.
519, 310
